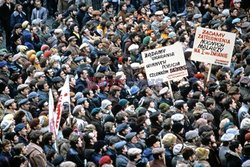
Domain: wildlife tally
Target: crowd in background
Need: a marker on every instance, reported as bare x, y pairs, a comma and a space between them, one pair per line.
115, 119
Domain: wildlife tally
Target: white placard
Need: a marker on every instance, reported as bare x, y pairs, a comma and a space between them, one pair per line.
213, 46
164, 64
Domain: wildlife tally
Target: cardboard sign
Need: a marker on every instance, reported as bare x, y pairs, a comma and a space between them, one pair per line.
212, 46
165, 64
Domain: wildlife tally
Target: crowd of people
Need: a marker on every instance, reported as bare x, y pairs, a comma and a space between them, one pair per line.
115, 119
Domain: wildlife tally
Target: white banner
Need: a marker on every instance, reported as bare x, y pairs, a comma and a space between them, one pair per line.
213, 46
165, 64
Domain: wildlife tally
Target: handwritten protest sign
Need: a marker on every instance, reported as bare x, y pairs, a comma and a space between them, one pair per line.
212, 46
165, 64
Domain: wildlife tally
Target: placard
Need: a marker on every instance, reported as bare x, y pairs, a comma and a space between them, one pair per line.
213, 46
164, 64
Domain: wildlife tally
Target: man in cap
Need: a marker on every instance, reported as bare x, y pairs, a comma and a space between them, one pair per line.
97, 121
24, 106
165, 96
10, 106
134, 156
22, 134
121, 150
158, 154
36, 156
132, 140
73, 154
152, 142
224, 148
43, 90
122, 130
208, 16
73, 47
23, 91
156, 119
156, 23
156, 5
233, 14
237, 5
192, 139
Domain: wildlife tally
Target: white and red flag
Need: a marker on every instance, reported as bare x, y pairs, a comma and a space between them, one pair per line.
63, 98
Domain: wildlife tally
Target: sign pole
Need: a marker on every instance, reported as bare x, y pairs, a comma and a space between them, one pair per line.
170, 89
209, 72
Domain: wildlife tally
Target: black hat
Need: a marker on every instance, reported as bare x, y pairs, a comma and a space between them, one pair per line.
151, 140
177, 127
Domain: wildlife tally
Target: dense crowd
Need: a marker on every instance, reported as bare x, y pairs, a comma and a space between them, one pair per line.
115, 119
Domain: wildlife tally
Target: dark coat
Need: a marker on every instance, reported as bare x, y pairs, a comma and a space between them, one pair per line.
233, 159
6, 14
17, 17
121, 161
36, 156
75, 157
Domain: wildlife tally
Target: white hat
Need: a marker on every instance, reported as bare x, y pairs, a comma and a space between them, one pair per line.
133, 47
196, 16
236, 20
83, 45
157, 1
233, 131
227, 137
177, 117
245, 124
237, 1
39, 74
105, 103
135, 66
163, 91
177, 149
58, 31
225, 12
134, 151
159, 13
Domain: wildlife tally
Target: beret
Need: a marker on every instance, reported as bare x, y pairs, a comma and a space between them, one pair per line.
233, 131
177, 117
19, 127
105, 160
236, 20
120, 145
123, 102
236, 1
95, 111
3, 63
57, 79
9, 102
23, 101
47, 53
159, 13
22, 86
78, 59
130, 135
163, 91
191, 134
72, 38
134, 90
158, 150
83, 45
78, 95
227, 137
134, 151
32, 95
105, 103
25, 24
81, 101
171, 35
39, 74
121, 127
151, 140
44, 47
133, 47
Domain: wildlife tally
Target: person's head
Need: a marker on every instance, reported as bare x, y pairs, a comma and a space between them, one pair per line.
35, 136
6, 145
169, 140
188, 154
38, 3
229, 103
235, 146
181, 105
48, 138
134, 154
234, 12
201, 153
210, 103
75, 140
20, 148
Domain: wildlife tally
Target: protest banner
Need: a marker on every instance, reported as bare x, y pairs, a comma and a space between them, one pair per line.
213, 46
165, 64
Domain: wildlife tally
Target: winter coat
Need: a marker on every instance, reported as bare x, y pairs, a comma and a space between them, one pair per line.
75, 157
157, 163
36, 155
63, 146
233, 159
17, 17
121, 160
131, 164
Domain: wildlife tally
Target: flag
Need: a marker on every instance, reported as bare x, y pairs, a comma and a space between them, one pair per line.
63, 98
51, 113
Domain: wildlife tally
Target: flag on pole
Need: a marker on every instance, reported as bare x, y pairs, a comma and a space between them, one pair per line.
63, 98
51, 113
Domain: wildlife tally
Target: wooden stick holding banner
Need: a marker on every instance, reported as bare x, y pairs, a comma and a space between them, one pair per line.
170, 89
209, 72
